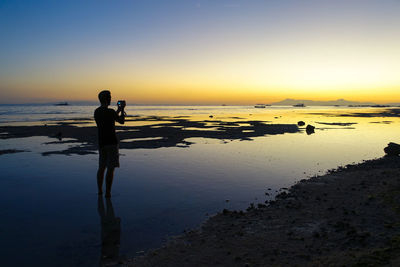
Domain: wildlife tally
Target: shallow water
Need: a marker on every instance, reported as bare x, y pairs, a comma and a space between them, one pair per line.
50, 210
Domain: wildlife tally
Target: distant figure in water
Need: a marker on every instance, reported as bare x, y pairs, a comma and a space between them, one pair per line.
110, 232
108, 143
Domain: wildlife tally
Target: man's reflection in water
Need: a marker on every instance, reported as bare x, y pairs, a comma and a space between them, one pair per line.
110, 232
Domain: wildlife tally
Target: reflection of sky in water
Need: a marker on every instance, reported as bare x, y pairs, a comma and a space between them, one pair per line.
144, 123
142, 139
49, 203
155, 127
201, 129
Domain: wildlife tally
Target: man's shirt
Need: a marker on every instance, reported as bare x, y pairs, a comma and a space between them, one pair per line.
105, 120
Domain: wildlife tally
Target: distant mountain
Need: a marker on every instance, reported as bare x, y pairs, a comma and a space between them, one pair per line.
394, 104
340, 102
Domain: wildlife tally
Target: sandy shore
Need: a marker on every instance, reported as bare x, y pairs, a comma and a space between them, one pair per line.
350, 216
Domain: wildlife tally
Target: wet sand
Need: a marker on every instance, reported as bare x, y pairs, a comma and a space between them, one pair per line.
350, 216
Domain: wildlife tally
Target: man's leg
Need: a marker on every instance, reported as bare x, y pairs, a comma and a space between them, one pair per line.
100, 179
109, 180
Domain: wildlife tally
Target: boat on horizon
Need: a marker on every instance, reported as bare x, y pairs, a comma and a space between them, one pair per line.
299, 105
261, 105
61, 104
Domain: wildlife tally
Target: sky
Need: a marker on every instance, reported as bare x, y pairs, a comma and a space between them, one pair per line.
200, 51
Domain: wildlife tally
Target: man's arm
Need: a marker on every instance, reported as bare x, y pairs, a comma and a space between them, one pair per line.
120, 117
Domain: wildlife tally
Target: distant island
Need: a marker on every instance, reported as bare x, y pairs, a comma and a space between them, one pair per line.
338, 102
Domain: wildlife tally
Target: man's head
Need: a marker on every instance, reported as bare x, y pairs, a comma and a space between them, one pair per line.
105, 97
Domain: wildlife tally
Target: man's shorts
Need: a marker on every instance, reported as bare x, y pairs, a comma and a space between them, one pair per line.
108, 156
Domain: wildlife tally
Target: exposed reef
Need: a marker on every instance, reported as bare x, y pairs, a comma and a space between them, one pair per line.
11, 151
337, 123
164, 132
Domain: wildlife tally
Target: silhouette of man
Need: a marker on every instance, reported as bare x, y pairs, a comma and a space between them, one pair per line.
108, 143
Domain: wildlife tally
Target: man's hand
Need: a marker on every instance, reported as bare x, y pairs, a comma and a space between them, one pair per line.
121, 117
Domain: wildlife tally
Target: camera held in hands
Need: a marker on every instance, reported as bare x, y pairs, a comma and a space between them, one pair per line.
121, 103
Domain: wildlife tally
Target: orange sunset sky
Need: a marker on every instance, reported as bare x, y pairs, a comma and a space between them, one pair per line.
200, 52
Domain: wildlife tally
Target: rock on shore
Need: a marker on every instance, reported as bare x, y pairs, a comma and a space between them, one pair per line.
350, 216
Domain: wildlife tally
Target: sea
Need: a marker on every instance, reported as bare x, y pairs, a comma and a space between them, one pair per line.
51, 214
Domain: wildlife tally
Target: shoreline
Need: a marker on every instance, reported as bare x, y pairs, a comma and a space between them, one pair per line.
350, 216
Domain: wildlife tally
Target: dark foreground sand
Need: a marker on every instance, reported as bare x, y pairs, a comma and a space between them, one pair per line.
349, 217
